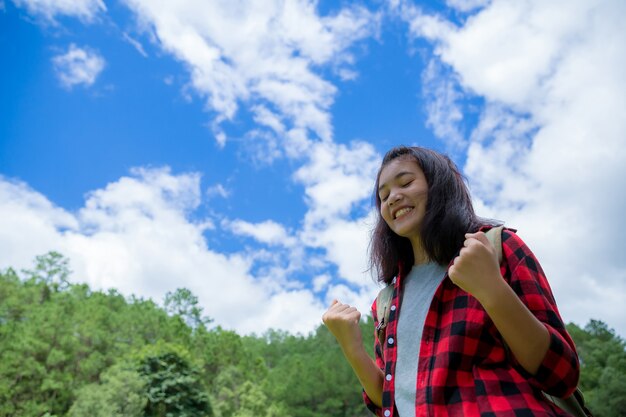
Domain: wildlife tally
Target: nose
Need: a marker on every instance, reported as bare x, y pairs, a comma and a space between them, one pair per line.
393, 197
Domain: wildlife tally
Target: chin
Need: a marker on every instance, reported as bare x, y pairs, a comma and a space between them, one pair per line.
407, 232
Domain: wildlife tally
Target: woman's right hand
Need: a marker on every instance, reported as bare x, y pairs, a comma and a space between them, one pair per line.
343, 322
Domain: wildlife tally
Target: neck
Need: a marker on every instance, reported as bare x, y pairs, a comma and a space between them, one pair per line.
419, 254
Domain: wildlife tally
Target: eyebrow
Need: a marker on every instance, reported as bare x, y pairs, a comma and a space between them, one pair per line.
398, 175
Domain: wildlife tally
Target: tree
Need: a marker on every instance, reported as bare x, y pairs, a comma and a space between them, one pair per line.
184, 304
52, 269
174, 387
36, 341
603, 368
122, 393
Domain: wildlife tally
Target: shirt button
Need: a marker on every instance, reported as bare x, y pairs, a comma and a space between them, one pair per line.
393, 308
390, 340
388, 377
387, 413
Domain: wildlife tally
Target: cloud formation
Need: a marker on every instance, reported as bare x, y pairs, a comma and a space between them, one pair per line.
49, 10
137, 233
78, 66
261, 54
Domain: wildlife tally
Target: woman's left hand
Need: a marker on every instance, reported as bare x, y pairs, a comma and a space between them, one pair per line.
476, 270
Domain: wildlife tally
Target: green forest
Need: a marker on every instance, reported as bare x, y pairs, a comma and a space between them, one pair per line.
68, 350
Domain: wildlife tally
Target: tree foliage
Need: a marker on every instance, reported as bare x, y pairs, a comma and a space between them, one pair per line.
174, 386
603, 368
121, 393
70, 351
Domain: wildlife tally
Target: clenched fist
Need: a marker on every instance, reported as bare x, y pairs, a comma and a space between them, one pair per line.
343, 322
476, 269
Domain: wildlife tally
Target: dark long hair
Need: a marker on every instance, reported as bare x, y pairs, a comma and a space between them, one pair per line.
449, 215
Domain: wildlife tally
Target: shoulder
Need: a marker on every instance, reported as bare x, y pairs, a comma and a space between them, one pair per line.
513, 245
520, 259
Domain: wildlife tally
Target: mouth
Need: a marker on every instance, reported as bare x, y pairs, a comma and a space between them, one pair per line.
402, 212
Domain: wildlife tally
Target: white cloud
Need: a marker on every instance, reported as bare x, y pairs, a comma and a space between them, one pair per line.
262, 54
268, 232
136, 44
29, 224
467, 5
218, 190
78, 66
362, 299
265, 117
338, 182
320, 282
346, 244
549, 153
444, 114
336, 178
136, 235
85, 10
262, 147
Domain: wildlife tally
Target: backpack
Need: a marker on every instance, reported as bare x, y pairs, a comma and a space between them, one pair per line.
574, 404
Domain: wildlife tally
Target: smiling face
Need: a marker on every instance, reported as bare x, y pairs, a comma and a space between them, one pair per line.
403, 193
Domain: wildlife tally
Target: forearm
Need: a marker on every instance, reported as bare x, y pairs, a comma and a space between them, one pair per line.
368, 373
526, 336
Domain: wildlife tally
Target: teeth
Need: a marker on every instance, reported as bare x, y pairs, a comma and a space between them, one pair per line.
403, 211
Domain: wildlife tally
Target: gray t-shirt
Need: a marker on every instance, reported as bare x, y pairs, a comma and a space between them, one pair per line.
419, 287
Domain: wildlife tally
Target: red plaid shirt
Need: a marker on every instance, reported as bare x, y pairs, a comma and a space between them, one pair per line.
464, 368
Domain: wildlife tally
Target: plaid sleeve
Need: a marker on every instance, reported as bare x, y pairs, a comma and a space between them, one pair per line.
379, 361
559, 371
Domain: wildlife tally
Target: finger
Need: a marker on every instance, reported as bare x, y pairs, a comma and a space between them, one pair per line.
349, 310
452, 270
341, 308
352, 310
479, 236
472, 237
335, 301
355, 315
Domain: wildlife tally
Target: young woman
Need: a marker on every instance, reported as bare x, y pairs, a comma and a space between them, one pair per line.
465, 336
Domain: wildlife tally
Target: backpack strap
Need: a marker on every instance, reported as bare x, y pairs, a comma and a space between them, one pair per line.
383, 301
495, 238
574, 404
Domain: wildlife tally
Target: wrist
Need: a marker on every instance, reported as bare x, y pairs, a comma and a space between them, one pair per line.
495, 293
354, 351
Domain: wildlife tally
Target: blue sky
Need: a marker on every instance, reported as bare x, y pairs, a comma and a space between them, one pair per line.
233, 145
